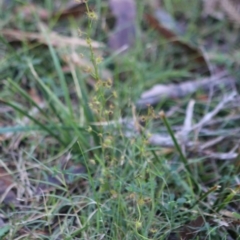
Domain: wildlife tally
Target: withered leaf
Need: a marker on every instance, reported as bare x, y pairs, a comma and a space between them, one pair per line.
190, 230
170, 35
6, 181
56, 39
72, 9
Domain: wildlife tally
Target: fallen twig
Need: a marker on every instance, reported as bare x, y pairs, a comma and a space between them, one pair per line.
161, 92
211, 114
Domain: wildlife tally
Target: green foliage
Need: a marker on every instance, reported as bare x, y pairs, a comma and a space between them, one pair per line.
130, 190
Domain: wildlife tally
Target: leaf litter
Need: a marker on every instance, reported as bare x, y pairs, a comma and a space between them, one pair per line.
7, 184
191, 136
56, 39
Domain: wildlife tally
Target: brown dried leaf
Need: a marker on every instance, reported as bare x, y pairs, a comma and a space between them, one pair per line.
6, 184
190, 230
73, 9
35, 96
56, 39
171, 36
